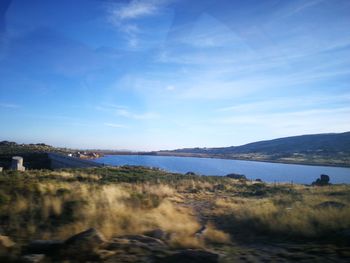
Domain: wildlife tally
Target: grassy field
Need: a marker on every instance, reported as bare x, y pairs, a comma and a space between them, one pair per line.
240, 220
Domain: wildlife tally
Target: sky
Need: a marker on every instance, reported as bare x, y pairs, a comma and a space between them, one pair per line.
166, 74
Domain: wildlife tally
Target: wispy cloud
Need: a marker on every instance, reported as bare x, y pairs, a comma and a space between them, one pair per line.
286, 103
137, 116
124, 16
110, 107
135, 9
170, 88
300, 6
9, 105
309, 121
226, 73
115, 125
125, 112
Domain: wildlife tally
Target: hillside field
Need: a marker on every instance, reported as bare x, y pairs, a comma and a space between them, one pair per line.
148, 215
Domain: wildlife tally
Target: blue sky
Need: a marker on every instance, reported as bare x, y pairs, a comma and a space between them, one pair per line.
164, 74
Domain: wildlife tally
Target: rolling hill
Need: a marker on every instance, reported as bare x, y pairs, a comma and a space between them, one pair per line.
328, 149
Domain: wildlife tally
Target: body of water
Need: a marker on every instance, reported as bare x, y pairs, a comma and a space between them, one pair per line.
268, 172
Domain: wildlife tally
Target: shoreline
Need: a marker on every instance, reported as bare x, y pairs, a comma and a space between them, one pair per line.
228, 158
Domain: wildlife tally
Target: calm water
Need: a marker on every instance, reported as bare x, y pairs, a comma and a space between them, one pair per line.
268, 172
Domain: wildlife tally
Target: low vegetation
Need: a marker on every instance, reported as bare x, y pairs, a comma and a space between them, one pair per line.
12, 148
300, 212
217, 213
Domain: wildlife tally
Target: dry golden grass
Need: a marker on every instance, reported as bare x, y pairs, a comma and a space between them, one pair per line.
55, 205
59, 209
290, 214
213, 235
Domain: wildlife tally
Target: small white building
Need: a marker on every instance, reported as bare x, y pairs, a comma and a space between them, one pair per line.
17, 163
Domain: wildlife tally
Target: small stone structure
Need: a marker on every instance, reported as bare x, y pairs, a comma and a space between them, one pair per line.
322, 181
17, 163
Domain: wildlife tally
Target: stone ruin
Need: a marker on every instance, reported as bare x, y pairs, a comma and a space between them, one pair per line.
17, 163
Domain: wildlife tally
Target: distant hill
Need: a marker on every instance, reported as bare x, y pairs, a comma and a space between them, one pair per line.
315, 143
7, 147
329, 149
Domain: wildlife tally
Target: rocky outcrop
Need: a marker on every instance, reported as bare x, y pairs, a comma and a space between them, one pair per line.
91, 245
85, 240
84, 245
157, 233
322, 181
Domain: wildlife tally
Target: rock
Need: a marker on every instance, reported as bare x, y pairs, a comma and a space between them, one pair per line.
331, 204
90, 238
33, 258
84, 245
142, 242
322, 181
237, 176
144, 239
192, 256
117, 243
125, 245
190, 173
6, 242
47, 247
325, 178
157, 233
